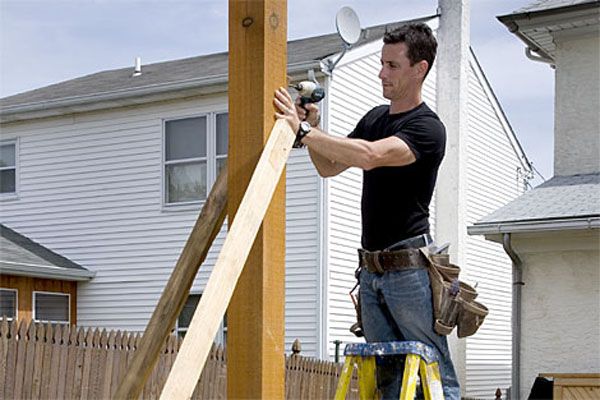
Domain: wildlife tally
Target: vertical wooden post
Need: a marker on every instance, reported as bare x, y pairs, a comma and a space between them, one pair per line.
257, 66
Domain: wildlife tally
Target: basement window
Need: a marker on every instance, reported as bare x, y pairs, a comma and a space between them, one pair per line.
8, 167
8, 303
195, 150
51, 307
185, 318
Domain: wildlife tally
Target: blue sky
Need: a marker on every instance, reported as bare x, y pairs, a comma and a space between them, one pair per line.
48, 41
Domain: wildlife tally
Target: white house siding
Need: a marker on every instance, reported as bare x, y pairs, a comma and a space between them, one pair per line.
492, 182
355, 89
90, 189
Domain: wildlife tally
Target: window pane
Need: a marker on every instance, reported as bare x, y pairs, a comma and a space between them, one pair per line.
8, 303
7, 181
221, 163
188, 311
51, 307
222, 133
7, 155
186, 182
186, 138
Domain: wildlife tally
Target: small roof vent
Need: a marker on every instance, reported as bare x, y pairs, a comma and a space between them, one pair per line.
137, 69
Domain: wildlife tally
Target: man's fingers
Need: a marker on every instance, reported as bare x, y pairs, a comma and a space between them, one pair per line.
279, 104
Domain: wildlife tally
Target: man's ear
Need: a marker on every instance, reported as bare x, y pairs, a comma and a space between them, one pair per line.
422, 67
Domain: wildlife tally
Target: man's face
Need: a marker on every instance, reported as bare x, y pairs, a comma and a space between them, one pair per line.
398, 77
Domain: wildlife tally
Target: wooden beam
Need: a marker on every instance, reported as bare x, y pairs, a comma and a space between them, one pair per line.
174, 296
256, 333
216, 296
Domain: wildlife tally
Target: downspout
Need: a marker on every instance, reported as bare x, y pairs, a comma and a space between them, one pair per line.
518, 283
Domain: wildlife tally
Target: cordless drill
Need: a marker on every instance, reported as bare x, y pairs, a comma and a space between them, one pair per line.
310, 92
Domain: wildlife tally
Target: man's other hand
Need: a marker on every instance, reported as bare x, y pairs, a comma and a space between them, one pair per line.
310, 113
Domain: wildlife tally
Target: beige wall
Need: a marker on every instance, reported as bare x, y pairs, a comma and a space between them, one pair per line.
560, 303
577, 120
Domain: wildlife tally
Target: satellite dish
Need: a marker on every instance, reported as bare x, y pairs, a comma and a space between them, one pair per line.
348, 25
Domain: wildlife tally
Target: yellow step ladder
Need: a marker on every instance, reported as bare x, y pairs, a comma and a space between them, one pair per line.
419, 356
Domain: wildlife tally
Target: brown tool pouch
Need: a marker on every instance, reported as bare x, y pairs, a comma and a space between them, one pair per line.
356, 327
452, 309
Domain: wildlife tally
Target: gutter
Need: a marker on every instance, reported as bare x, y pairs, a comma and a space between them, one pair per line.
46, 271
517, 267
494, 228
542, 56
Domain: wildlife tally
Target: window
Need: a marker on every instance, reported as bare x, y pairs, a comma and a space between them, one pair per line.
185, 318
51, 307
8, 167
8, 303
195, 151
222, 128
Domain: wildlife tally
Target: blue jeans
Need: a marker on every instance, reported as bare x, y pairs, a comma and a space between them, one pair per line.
397, 306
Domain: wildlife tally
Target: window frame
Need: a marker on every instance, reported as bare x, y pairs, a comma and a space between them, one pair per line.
221, 335
15, 194
33, 308
211, 158
16, 302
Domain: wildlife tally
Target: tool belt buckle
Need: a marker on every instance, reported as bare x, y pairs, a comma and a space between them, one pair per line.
376, 261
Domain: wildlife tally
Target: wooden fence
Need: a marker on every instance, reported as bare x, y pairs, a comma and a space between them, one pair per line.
43, 361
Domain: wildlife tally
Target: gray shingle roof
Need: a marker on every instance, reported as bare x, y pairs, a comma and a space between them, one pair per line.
300, 52
21, 255
545, 5
562, 197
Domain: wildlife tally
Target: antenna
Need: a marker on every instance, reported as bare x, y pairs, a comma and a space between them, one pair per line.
348, 27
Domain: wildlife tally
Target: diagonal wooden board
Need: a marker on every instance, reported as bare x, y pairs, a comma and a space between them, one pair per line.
220, 286
176, 291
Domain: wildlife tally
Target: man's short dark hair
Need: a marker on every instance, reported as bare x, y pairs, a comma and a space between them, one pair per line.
418, 38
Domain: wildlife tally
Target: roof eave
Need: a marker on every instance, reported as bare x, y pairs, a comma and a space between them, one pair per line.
527, 15
515, 22
530, 226
145, 94
46, 271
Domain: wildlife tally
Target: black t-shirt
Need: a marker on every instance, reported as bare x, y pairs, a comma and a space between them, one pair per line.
395, 200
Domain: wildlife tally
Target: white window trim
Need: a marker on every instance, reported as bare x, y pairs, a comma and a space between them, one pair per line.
16, 302
68, 295
14, 195
219, 337
211, 159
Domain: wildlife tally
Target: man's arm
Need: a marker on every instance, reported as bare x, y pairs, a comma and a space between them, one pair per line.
349, 152
331, 154
325, 167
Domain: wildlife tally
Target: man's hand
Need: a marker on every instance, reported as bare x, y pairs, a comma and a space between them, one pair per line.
310, 113
283, 101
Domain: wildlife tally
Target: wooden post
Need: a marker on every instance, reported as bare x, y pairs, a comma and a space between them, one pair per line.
257, 66
176, 292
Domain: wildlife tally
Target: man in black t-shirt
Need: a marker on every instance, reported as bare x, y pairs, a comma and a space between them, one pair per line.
399, 147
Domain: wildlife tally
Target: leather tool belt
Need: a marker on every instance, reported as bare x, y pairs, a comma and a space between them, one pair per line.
379, 262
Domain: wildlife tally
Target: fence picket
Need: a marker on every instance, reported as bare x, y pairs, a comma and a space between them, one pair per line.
3, 353
45, 370
116, 370
62, 348
21, 360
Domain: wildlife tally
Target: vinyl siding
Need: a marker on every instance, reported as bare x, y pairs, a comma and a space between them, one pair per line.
355, 89
492, 182
90, 190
